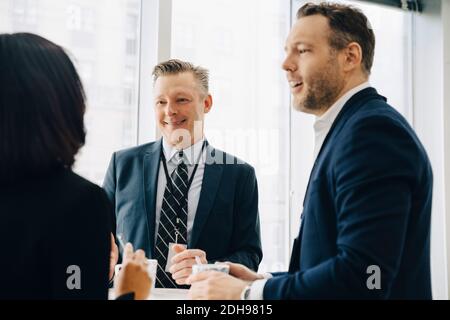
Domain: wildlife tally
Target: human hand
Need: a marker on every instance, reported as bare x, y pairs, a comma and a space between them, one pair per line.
113, 257
215, 285
183, 262
133, 277
242, 272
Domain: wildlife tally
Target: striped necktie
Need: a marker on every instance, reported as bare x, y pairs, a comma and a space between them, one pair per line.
173, 217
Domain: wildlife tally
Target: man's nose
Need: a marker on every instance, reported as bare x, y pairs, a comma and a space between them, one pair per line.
171, 109
289, 64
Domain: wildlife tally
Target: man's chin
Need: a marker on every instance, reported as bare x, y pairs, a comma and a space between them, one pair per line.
298, 106
303, 107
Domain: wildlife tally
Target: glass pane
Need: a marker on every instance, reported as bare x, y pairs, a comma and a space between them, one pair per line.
391, 66
241, 43
102, 37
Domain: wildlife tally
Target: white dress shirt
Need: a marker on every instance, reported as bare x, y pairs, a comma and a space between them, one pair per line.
191, 155
322, 126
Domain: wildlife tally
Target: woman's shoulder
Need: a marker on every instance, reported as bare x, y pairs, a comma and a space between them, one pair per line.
77, 181
74, 191
81, 200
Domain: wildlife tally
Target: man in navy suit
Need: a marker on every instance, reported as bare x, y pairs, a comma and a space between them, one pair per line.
365, 226
180, 190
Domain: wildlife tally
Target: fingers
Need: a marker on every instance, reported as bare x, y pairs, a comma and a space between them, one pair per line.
128, 252
235, 267
202, 276
181, 276
180, 271
140, 255
198, 291
114, 248
187, 263
113, 257
178, 248
190, 254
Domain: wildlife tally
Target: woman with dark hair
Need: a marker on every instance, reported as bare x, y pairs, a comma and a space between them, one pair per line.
55, 227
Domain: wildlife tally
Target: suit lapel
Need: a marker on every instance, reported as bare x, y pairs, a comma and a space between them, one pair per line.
151, 168
210, 186
349, 108
353, 103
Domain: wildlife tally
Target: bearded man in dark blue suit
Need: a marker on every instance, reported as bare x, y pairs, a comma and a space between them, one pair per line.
365, 229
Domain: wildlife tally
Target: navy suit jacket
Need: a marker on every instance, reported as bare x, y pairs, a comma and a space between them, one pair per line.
368, 202
226, 224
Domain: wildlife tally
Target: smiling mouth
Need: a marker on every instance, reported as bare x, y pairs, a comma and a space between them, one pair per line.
174, 123
296, 86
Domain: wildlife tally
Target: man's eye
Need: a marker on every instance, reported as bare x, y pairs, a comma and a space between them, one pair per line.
182, 100
303, 51
160, 102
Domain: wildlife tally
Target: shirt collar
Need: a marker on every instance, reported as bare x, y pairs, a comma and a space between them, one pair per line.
191, 153
325, 121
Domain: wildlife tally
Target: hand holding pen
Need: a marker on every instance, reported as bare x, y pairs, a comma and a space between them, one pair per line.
133, 277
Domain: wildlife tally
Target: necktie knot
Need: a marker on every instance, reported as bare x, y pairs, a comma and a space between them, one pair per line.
179, 158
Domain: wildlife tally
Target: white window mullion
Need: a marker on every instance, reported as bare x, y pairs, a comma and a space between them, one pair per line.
156, 22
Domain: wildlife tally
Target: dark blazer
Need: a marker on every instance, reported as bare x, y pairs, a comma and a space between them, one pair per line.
368, 202
226, 224
47, 225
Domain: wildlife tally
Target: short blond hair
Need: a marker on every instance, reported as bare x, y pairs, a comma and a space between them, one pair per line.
175, 66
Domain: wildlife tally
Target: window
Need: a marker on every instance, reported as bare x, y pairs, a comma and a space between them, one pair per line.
131, 46
80, 18
391, 71
95, 34
24, 13
241, 43
132, 23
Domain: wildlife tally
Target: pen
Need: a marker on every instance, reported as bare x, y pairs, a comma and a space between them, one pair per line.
121, 242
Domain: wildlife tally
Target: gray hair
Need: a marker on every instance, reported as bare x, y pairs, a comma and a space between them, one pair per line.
175, 66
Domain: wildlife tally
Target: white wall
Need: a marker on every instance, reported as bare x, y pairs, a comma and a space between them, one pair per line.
431, 125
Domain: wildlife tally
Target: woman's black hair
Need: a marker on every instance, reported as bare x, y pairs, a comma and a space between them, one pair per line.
42, 105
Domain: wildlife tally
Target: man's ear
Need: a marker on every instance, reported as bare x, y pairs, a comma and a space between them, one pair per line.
352, 56
207, 103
